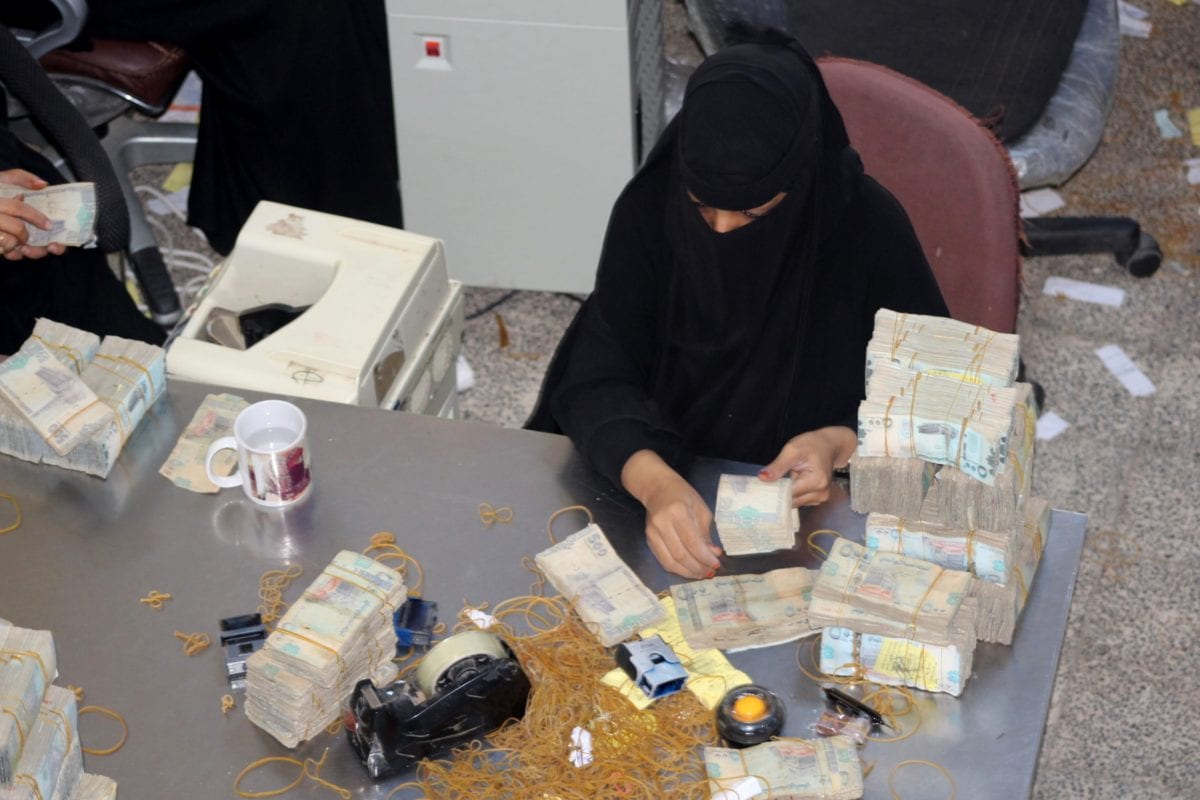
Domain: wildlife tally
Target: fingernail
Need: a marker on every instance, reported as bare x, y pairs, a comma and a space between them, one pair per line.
711, 574
762, 473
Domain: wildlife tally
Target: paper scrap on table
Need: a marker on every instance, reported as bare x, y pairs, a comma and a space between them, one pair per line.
581, 747
1050, 425
710, 675
1193, 120
1192, 166
1133, 21
1166, 128
1124, 369
1037, 202
1082, 290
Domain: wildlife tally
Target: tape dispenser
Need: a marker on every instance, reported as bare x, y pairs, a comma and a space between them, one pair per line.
465, 687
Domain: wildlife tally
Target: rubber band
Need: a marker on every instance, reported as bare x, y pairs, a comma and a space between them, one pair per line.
271, 585
131, 363
29, 780
62, 426
945, 773
253, 765
911, 630
108, 712
194, 643
560, 512
19, 654
155, 599
385, 541
16, 507
887, 415
71, 352
815, 548
334, 727
17, 725
63, 724
227, 703
77, 691
325, 647
489, 515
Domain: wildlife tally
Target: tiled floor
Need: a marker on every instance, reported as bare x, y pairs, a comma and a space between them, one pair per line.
1126, 693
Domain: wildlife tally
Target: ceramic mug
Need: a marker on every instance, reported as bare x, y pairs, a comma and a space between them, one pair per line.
270, 438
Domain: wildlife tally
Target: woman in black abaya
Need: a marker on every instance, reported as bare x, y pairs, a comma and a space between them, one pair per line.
735, 296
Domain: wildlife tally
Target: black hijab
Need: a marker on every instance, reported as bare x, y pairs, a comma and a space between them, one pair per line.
756, 121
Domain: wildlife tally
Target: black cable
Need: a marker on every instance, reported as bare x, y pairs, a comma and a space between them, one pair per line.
491, 306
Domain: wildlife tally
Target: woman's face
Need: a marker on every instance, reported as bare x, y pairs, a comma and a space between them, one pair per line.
723, 221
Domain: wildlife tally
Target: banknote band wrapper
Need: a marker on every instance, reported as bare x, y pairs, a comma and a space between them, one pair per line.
320, 306
465, 687
652, 666
749, 715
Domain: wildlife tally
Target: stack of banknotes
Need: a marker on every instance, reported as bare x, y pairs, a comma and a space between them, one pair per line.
740, 612
1000, 605
71, 208
611, 600
70, 400
894, 596
755, 516
897, 660
891, 485
786, 769
940, 419
942, 346
339, 632
40, 754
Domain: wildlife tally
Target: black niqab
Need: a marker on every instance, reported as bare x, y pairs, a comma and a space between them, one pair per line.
756, 121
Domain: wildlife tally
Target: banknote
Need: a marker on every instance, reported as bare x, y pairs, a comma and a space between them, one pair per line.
755, 516
53, 399
71, 208
740, 612
1000, 605
46, 747
790, 769
28, 665
896, 660
214, 418
990, 556
943, 346
606, 594
339, 632
94, 787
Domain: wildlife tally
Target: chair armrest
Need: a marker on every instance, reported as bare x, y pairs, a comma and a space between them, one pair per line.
72, 15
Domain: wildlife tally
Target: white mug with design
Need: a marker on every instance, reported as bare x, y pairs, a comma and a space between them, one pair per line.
270, 438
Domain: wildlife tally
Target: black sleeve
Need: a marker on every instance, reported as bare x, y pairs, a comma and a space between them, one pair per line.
597, 387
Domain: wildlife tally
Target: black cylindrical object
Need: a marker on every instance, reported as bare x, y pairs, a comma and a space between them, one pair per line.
749, 715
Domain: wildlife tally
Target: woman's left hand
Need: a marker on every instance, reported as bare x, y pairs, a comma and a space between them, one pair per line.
15, 213
810, 458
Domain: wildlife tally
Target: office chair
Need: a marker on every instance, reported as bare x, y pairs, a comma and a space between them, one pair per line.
110, 84
1041, 74
952, 177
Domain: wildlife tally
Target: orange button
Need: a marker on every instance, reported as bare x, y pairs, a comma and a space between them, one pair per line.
749, 708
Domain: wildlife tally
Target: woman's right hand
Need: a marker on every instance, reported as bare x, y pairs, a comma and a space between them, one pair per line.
677, 518
15, 212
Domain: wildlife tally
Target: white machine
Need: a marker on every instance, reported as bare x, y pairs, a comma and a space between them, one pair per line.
315, 305
517, 125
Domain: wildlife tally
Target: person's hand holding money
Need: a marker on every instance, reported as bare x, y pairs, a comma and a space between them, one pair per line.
678, 521
15, 213
810, 458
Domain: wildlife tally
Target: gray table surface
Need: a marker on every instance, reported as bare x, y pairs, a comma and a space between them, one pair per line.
89, 548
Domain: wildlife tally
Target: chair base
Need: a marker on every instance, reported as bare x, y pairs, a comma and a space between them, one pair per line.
1133, 248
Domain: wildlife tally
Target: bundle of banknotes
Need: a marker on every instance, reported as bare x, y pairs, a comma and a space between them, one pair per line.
1000, 606
755, 516
71, 208
740, 612
896, 660
28, 665
890, 485
786, 769
69, 400
339, 632
940, 419
40, 754
942, 346
611, 600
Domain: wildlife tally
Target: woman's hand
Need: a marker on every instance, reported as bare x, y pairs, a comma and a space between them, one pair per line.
810, 458
677, 518
15, 212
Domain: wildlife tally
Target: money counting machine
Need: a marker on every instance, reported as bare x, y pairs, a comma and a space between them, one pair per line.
464, 688
316, 305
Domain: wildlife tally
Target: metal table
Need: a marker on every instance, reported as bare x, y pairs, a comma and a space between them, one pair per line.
89, 549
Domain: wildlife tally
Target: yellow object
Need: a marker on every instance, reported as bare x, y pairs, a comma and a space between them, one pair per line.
749, 708
193, 643
710, 675
17, 508
180, 177
227, 703
155, 599
108, 712
908, 661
